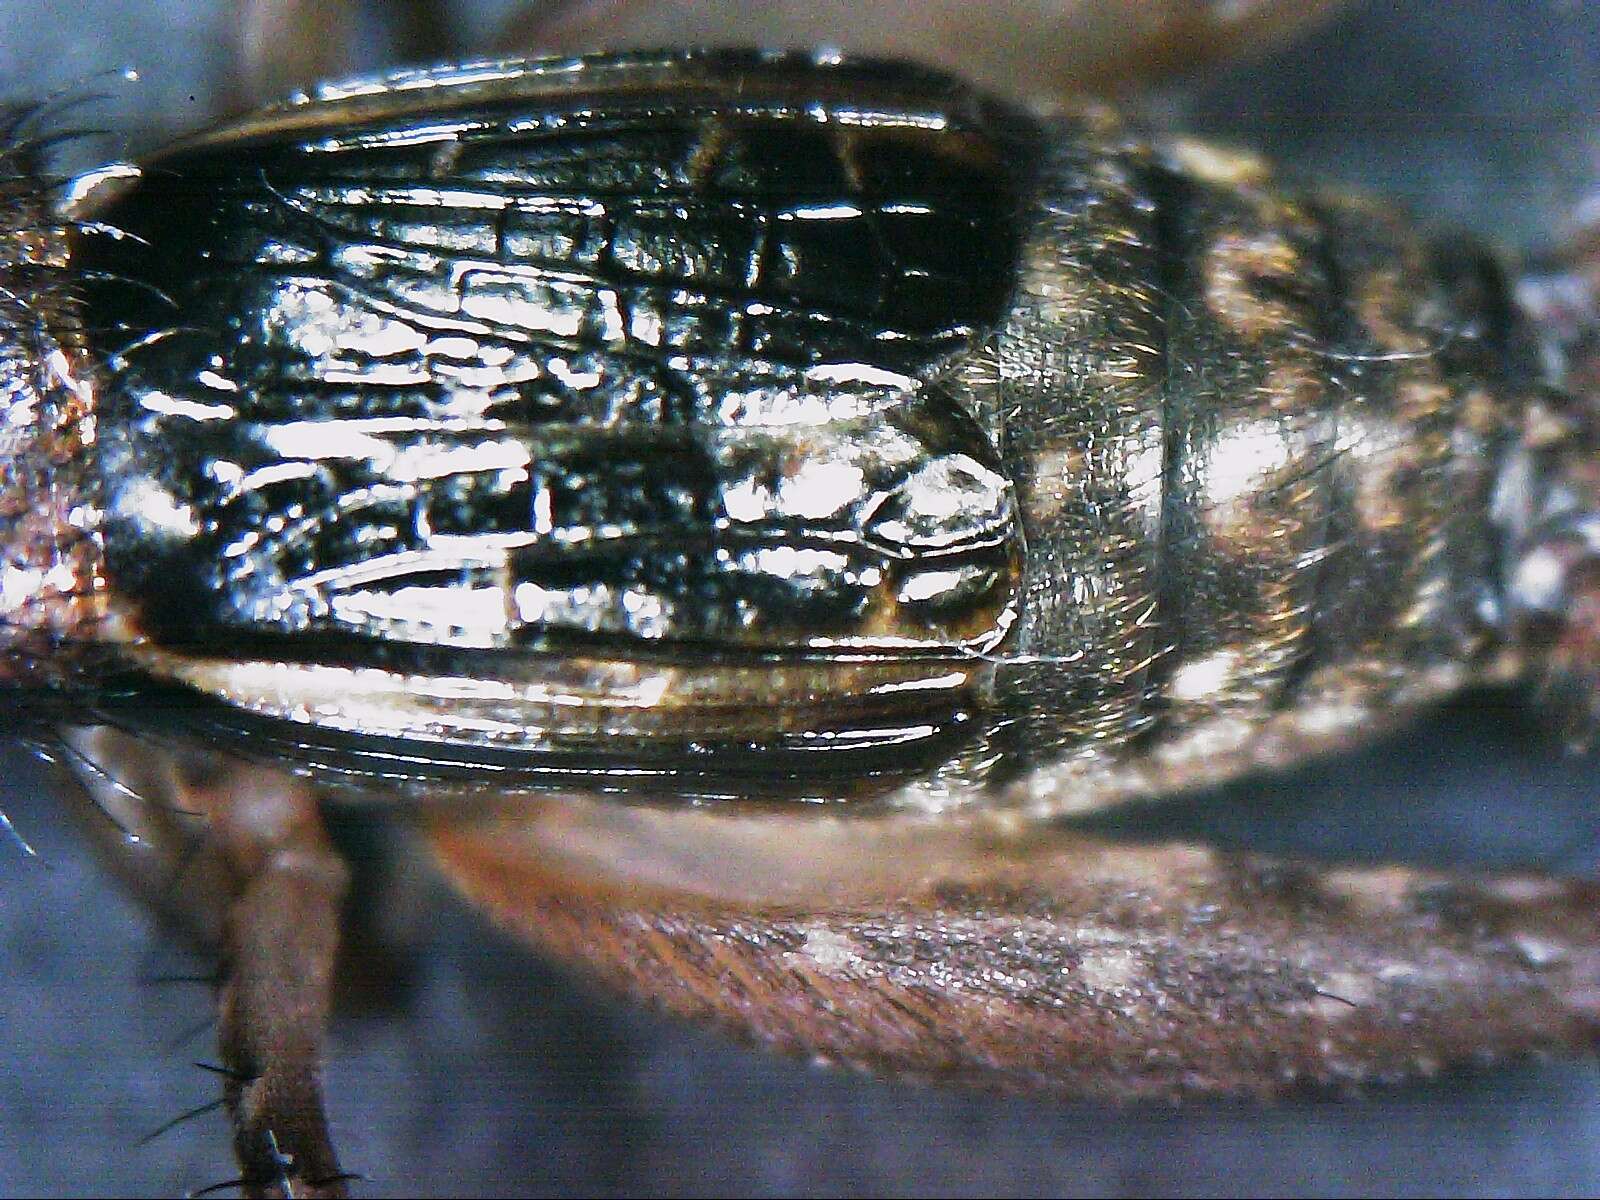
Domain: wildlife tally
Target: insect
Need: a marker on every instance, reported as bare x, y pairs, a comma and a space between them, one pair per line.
837, 948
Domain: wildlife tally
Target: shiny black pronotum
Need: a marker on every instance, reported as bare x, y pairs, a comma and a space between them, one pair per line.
745, 507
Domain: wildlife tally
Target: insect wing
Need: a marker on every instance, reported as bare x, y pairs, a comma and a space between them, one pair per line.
637, 359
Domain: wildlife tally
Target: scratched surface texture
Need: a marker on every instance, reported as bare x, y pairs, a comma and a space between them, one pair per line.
489, 1072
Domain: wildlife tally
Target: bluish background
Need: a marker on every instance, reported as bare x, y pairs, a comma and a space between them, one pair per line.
492, 1072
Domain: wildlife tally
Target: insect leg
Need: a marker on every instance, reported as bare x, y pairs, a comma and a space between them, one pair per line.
1070, 47
238, 854
1057, 962
287, 44
280, 942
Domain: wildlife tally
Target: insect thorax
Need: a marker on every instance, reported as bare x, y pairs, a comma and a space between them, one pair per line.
50, 610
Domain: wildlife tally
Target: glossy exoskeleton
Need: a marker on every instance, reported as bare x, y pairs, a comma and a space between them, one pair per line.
852, 427
626, 449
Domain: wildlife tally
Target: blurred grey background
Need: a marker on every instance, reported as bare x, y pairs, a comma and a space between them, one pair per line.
490, 1072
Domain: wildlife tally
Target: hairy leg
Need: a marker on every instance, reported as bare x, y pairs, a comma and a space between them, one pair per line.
238, 856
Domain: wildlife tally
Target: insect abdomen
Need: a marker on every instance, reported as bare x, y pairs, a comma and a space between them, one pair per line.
1254, 432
